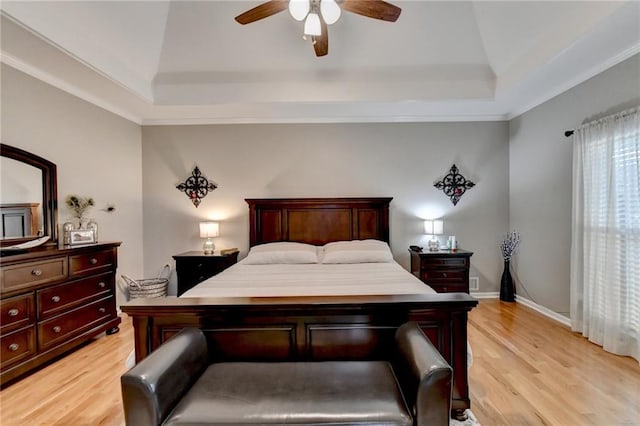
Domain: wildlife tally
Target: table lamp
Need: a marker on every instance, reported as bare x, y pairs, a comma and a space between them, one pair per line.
209, 230
433, 228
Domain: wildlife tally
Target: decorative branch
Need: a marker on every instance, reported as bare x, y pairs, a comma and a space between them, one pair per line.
509, 244
79, 205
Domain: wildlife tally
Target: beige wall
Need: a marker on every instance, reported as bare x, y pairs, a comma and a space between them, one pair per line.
97, 154
522, 170
317, 160
540, 178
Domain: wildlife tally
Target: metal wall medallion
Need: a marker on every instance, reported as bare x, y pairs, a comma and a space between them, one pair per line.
454, 185
197, 186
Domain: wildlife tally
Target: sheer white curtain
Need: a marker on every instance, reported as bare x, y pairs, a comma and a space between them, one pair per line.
605, 249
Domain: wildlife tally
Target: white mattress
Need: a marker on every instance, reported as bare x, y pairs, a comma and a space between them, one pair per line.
242, 280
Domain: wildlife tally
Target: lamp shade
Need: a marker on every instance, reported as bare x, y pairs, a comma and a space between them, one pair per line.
330, 11
299, 9
433, 227
209, 229
312, 25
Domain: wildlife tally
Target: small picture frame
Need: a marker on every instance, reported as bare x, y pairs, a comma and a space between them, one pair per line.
81, 236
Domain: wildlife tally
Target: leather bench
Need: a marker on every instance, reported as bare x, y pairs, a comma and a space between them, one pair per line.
175, 385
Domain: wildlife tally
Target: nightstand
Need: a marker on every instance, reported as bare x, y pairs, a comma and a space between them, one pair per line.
193, 267
445, 271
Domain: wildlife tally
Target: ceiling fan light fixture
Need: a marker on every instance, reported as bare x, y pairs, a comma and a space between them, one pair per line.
299, 9
312, 25
330, 11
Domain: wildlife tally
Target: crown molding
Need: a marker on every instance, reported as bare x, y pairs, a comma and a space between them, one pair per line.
63, 85
567, 85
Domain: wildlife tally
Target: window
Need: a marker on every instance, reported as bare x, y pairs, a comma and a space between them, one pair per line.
605, 252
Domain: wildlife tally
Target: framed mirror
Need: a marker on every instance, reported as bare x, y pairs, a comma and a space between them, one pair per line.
28, 197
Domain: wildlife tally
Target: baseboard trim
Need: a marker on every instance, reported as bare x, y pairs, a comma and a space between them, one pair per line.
544, 311
528, 303
485, 294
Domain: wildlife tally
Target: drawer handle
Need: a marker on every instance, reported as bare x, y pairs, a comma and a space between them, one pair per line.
102, 310
36, 272
444, 274
55, 299
14, 347
57, 329
13, 312
101, 284
93, 261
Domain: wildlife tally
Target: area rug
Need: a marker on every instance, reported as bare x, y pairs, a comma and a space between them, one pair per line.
471, 420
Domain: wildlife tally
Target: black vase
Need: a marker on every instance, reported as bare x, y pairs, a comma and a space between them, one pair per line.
507, 290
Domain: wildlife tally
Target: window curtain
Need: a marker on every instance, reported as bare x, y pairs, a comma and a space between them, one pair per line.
605, 248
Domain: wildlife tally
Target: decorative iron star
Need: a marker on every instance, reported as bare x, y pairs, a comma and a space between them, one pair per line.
454, 185
196, 186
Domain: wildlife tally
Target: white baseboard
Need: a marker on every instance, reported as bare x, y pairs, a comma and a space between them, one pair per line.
544, 311
533, 305
485, 294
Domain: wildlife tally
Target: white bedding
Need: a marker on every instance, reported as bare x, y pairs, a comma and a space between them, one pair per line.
315, 279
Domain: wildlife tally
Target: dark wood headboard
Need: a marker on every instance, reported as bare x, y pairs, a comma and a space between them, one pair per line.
317, 220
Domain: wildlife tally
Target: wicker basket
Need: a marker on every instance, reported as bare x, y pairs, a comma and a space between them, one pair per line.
148, 287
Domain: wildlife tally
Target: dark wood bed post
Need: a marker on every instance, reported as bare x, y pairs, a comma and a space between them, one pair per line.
315, 328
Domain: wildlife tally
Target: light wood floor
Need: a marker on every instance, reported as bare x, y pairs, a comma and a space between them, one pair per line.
527, 370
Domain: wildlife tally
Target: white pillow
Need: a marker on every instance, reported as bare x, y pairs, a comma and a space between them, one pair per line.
284, 252
357, 251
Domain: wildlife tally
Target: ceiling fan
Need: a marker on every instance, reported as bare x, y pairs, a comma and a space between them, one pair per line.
317, 14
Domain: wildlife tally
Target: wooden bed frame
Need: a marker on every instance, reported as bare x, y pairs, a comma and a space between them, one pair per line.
314, 328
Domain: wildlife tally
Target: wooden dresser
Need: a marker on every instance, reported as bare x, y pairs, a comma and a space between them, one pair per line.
54, 299
445, 271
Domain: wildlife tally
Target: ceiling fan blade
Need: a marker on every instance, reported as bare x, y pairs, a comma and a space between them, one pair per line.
377, 9
321, 42
262, 11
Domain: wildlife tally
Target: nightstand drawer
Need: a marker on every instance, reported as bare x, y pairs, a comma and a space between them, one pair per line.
448, 288
434, 262
194, 267
444, 271
195, 271
453, 275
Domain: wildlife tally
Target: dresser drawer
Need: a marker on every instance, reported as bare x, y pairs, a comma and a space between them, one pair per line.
17, 346
30, 274
16, 312
89, 263
61, 328
53, 300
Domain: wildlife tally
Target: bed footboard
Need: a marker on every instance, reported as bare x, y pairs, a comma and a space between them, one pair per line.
310, 328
